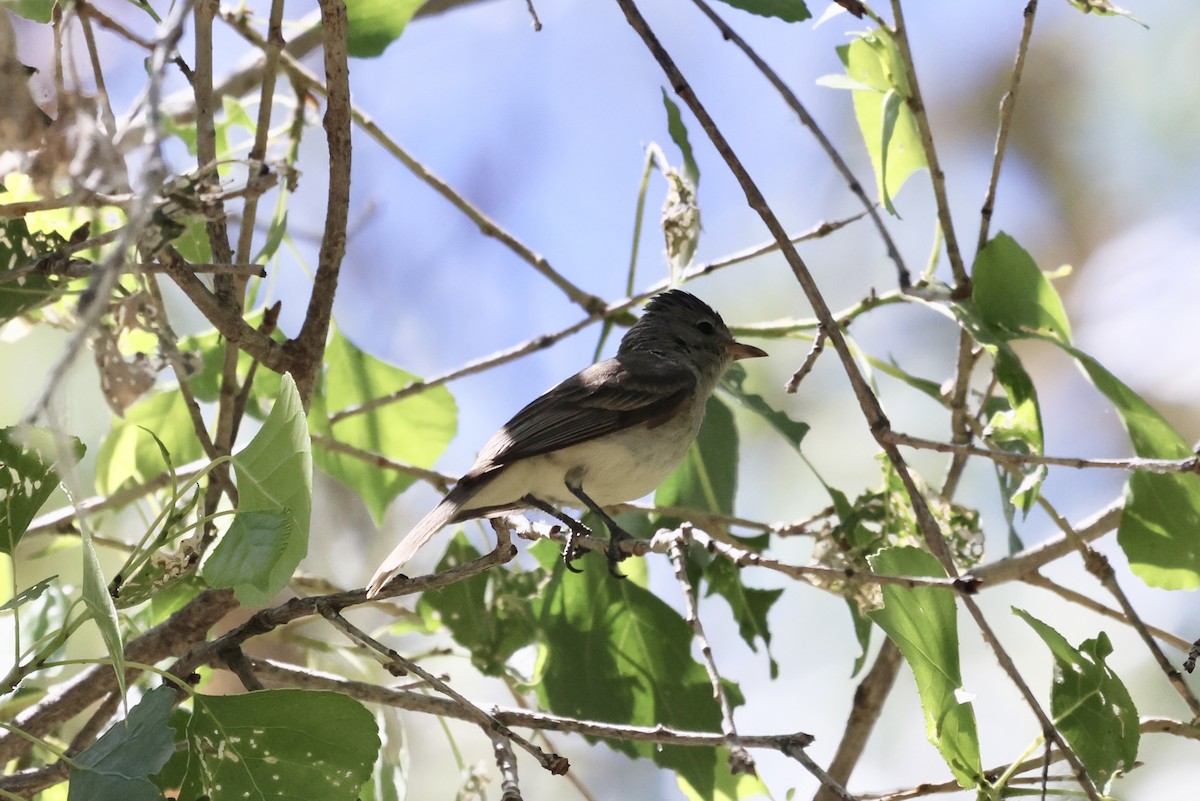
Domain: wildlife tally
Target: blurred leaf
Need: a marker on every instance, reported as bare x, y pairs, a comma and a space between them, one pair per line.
488, 614
101, 606
28, 477
375, 24
679, 136
750, 606
1089, 703
19, 247
274, 475
1160, 524
733, 382
27, 595
707, 477
887, 125
786, 10
680, 219
33, 10
117, 766
1012, 295
415, 430
208, 350
1104, 8
128, 455
724, 786
923, 622
615, 652
280, 744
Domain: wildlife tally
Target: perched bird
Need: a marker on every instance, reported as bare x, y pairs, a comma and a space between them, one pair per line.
607, 435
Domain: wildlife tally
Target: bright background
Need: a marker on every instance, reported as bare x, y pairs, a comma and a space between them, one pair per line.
545, 132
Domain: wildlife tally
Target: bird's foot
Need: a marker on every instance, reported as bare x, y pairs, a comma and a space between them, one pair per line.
571, 551
614, 552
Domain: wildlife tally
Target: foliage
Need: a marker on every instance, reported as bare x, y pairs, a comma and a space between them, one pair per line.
204, 479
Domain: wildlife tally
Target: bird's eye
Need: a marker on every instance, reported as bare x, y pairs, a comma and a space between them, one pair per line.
705, 327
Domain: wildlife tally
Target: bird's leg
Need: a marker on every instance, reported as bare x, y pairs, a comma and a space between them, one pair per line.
574, 529
615, 532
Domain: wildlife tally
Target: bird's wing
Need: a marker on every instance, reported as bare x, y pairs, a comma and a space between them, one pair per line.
609, 396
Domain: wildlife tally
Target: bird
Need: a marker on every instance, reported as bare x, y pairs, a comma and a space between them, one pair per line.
609, 434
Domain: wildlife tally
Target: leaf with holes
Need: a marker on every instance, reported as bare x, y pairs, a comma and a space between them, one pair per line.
1090, 704
27, 478
274, 744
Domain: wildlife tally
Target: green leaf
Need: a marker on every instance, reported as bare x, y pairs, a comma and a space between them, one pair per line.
786, 10
1012, 295
707, 477
679, 136
27, 478
415, 430
1016, 424
27, 595
615, 652
117, 766
923, 622
33, 10
20, 247
1160, 523
249, 556
750, 606
274, 475
276, 744
375, 24
209, 349
1089, 703
793, 431
129, 456
884, 118
725, 786
488, 614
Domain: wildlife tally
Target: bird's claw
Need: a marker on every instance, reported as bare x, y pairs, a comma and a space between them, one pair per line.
615, 554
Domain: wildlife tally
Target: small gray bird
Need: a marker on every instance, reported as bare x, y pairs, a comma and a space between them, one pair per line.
607, 435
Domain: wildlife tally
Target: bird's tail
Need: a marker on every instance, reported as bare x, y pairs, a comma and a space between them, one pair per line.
421, 533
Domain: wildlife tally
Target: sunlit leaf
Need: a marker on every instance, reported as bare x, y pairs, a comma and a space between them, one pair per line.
923, 622
1090, 704
274, 744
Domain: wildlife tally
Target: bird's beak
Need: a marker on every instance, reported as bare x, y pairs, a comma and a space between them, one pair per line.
739, 350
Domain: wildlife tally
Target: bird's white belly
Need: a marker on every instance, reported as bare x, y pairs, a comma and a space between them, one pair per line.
612, 469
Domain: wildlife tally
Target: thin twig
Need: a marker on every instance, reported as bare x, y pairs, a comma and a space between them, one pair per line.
810, 122
740, 760
1008, 105
878, 421
938, 178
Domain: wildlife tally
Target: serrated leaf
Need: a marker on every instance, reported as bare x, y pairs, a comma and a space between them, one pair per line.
488, 614
375, 24
1012, 295
923, 622
884, 118
274, 475
274, 744
615, 652
27, 478
117, 766
129, 455
786, 10
415, 430
750, 606
1090, 704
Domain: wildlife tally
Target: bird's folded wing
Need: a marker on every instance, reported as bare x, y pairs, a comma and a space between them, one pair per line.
609, 396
